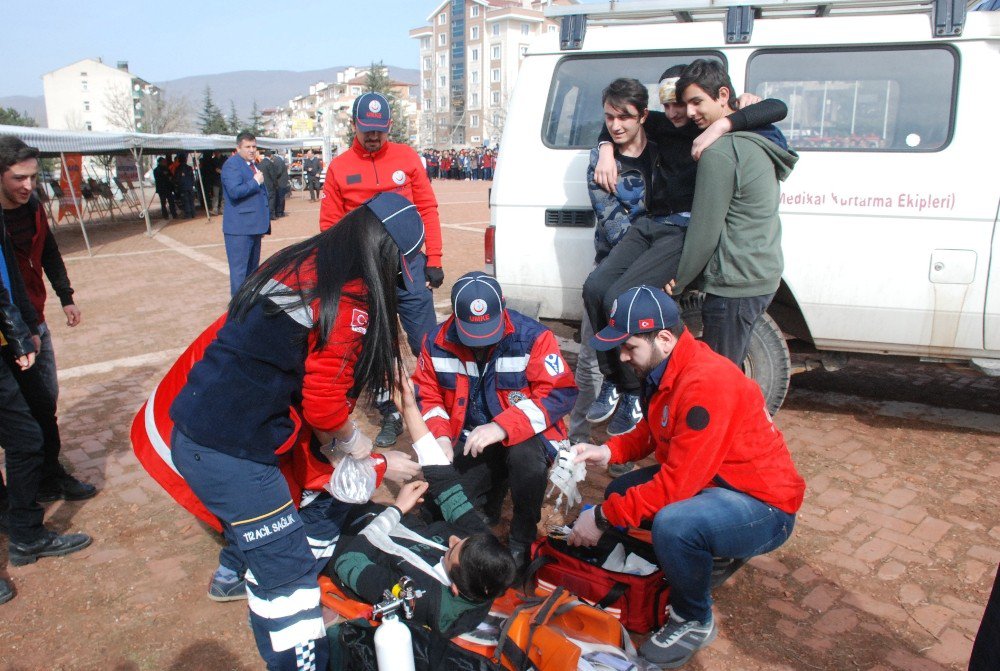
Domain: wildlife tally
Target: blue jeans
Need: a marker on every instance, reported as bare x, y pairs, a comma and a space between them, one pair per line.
728, 322
715, 522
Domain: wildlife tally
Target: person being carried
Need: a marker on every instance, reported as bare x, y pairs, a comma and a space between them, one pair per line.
724, 484
445, 547
493, 384
650, 239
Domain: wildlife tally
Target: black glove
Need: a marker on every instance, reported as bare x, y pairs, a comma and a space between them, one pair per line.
434, 275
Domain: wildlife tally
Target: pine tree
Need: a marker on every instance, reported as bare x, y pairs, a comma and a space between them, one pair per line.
11, 117
210, 119
256, 122
233, 122
378, 81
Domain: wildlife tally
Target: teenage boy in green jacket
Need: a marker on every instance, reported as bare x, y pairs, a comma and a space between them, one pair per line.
734, 239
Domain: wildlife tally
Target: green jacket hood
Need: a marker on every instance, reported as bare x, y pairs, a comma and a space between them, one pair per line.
784, 159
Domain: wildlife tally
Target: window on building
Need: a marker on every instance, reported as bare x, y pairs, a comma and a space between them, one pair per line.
553, 29
523, 50
442, 19
425, 43
427, 63
86, 105
495, 75
443, 103
474, 12
442, 39
474, 33
475, 76
474, 55
495, 52
87, 125
474, 120
496, 29
428, 103
442, 60
495, 98
474, 100
525, 29
83, 74
443, 80
902, 103
83, 85
496, 118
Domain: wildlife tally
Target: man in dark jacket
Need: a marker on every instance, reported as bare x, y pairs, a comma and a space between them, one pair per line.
312, 165
21, 516
165, 187
184, 180
280, 169
36, 251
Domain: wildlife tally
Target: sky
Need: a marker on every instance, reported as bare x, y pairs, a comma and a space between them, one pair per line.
170, 39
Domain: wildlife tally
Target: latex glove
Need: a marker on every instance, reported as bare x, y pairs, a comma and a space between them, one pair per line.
358, 445
399, 466
434, 275
482, 437
593, 455
585, 532
565, 475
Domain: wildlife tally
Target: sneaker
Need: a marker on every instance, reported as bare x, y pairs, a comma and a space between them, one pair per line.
627, 415
66, 487
723, 568
227, 590
677, 641
50, 544
392, 426
618, 470
6, 591
605, 403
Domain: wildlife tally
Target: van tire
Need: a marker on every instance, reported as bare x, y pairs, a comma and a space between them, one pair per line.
768, 362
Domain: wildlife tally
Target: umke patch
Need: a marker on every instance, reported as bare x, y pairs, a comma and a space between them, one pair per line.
697, 418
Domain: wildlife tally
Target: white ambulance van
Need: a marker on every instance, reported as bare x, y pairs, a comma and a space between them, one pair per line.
890, 234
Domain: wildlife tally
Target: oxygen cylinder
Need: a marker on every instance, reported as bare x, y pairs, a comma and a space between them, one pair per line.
393, 645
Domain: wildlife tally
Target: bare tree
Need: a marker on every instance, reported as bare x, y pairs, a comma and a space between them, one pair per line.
159, 114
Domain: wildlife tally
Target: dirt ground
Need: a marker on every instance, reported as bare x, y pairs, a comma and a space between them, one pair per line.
889, 567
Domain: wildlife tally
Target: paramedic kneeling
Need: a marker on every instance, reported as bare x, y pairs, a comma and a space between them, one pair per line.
725, 484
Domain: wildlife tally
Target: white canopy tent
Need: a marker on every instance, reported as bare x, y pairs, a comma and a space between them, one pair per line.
58, 143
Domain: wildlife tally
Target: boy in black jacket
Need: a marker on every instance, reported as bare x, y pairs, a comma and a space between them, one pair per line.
446, 547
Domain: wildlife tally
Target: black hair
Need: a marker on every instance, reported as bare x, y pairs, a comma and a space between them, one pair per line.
485, 568
245, 136
710, 76
623, 92
358, 247
14, 150
673, 71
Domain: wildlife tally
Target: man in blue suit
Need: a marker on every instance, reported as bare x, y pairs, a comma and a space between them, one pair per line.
245, 217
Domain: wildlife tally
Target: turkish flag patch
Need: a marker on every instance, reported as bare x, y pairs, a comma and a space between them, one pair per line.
359, 321
646, 323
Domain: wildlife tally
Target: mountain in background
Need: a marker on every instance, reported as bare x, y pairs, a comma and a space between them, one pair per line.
270, 88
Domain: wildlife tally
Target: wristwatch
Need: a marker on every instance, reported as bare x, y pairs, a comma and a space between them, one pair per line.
600, 520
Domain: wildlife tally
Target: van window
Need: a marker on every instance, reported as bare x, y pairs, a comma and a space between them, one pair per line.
898, 99
573, 113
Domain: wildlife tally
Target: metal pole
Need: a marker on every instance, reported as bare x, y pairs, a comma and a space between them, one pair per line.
76, 203
204, 198
142, 190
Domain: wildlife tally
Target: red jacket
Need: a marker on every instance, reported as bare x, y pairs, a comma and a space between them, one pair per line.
708, 425
41, 253
529, 387
355, 176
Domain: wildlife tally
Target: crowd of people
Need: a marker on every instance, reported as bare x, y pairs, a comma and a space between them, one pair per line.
683, 198
470, 164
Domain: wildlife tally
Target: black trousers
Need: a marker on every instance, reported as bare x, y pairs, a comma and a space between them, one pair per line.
42, 406
648, 254
21, 440
523, 468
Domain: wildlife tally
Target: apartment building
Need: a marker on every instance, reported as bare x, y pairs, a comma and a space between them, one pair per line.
90, 95
470, 53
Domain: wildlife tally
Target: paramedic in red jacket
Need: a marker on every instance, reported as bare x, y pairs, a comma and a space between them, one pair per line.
493, 384
725, 485
371, 166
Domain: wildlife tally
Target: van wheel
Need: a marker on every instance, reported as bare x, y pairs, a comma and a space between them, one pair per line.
768, 362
